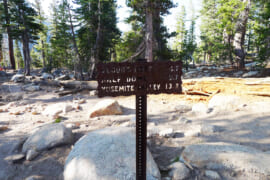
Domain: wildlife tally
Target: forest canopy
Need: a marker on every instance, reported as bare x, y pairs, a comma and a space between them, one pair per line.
81, 33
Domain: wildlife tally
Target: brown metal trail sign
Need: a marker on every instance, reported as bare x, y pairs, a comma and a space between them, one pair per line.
139, 78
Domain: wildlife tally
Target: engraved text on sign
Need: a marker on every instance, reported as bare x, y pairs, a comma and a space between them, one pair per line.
120, 79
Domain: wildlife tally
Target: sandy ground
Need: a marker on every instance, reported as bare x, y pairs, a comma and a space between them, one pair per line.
248, 126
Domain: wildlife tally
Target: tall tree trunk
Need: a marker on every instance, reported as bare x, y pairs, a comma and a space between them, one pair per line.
25, 42
249, 40
95, 50
239, 37
10, 40
38, 3
78, 63
26, 54
227, 41
43, 53
230, 49
157, 40
149, 32
204, 57
1, 50
267, 41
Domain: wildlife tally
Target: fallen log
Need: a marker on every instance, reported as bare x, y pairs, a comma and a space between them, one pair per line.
257, 83
265, 94
196, 93
48, 83
69, 84
70, 92
86, 85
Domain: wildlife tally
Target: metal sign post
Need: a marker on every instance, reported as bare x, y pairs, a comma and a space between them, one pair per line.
141, 125
139, 78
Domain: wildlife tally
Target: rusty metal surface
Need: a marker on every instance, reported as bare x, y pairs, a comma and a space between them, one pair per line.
141, 126
139, 78
120, 79
141, 134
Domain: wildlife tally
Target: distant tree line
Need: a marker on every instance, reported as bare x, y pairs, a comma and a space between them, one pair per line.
78, 35
235, 30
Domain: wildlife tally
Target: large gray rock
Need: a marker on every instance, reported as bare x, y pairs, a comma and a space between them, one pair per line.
193, 131
179, 171
212, 175
34, 177
183, 108
220, 156
63, 78
15, 158
31, 154
207, 129
3, 73
166, 132
55, 109
251, 74
199, 109
47, 76
18, 78
31, 88
222, 102
47, 137
13, 97
238, 73
200, 129
107, 154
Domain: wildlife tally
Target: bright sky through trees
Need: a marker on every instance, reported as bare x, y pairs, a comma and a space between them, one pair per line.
86, 31
123, 12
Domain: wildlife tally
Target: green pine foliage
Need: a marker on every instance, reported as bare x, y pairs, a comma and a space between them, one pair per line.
61, 38
128, 45
185, 40
24, 28
41, 48
87, 16
79, 34
18, 56
159, 8
24, 21
262, 31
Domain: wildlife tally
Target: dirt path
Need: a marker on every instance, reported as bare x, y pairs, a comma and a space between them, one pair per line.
247, 126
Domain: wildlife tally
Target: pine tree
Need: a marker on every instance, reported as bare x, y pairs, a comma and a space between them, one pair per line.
18, 55
98, 31
61, 38
1, 48
149, 14
240, 33
1, 32
78, 62
7, 24
211, 35
191, 38
42, 45
127, 46
180, 30
219, 19
27, 29
228, 13
262, 31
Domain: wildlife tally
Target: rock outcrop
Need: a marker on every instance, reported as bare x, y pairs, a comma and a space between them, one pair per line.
107, 154
226, 156
47, 137
105, 107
